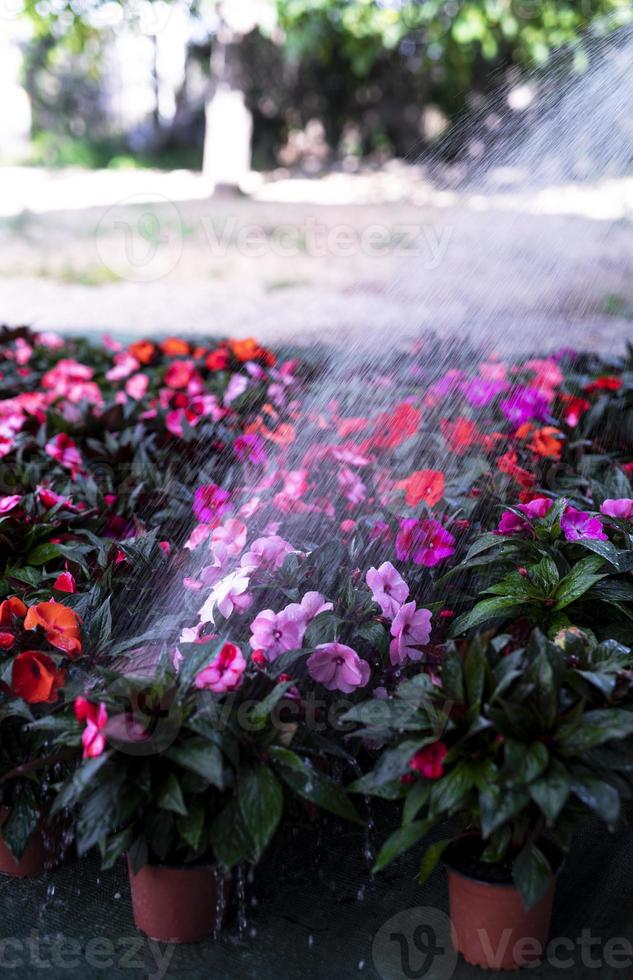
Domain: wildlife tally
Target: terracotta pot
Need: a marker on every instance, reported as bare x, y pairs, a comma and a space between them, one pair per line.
38, 857
490, 925
178, 903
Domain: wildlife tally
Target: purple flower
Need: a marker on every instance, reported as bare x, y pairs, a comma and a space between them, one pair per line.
410, 628
250, 448
621, 509
524, 404
539, 507
338, 668
578, 525
388, 588
210, 502
511, 523
425, 542
274, 633
267, 552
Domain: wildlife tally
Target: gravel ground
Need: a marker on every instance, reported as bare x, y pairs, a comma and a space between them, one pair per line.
349, 259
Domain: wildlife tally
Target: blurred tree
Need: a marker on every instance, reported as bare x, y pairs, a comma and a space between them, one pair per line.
452, 45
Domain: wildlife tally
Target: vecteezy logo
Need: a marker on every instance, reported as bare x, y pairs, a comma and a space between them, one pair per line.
415, 945
140, 238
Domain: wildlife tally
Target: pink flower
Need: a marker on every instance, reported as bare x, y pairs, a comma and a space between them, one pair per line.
7, 504
426, 542
230, 594
267, 552
429, 761
577, 525
225, 672
274, 633
250, 449
65, 582
210, 502
388, 588
411, 628
124, 365
231, 536
50, 499
236, 387
96, 719
621, 509
338, 668
136, 386
199, 534
304, 612
351, 485
62, 449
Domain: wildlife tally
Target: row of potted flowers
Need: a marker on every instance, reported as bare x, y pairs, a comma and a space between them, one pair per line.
319, 562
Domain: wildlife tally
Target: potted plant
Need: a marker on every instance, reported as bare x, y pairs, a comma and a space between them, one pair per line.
186, 773
37, 644
506, 749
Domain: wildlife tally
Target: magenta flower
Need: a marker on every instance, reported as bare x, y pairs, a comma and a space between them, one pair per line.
524, 404
7, 504
338, 668
578, 525
274, 633
410, 628
210, 502
351, 485
621, 509
96, 718
425, 542
388, 588
511, 523
539, 507
225, 672
250, 448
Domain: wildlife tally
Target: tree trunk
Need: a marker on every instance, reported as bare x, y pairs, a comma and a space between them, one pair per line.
229, 123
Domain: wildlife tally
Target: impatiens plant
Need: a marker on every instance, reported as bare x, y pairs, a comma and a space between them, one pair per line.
37, 646
512, 745
554, 566
193, 762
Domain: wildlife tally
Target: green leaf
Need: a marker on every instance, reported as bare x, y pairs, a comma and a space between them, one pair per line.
431, 858
475, 667
499, 805
485, 610
261, 801
22, 820
544, 576
598, 795
199, 756
191, 826
525, 763
532, 874
595, 728
448, 792
81, 780
415, 799
453, 676
579, 580
399, 842
551, 791
169, 796
229, 836
43, 553
113, 848
312, 784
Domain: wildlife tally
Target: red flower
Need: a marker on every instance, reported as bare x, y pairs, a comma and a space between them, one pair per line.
429, 761
179, 374
250, 350
573, 408
142, 350
11, 611
35, 678
508, 464
65, 582
426, 485
459, 435
607, 382
393, 428
175, 347
218, 360
64, 450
